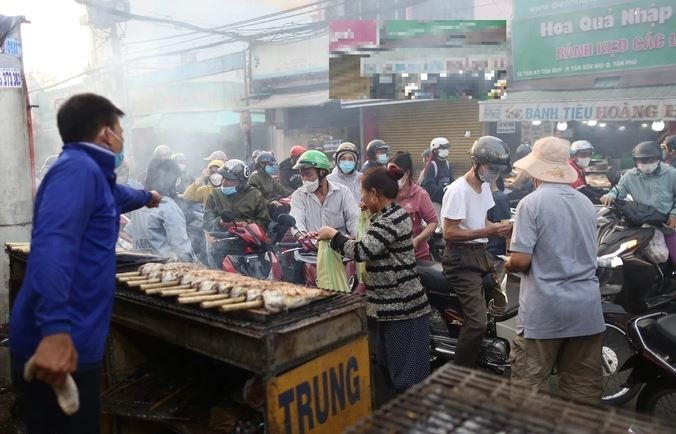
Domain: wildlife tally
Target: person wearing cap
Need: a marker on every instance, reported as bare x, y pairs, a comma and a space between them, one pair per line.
669, 150
377, 154
236, 195
262, 179
217, 155
252, 162
288, 176
651, 182
346, 158
208, 180
320, 202
162, 152
560, 324
184, 179
580, 156
162, 231
437, 171
466, 231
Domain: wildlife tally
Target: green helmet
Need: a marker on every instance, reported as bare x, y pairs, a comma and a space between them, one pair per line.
313, 159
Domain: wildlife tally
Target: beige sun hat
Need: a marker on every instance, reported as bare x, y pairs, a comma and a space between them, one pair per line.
549, 161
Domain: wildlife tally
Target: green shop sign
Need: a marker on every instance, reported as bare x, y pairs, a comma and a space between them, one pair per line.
538, 8
627, 36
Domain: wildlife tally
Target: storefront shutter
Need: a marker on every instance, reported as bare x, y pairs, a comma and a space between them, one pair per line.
411, 126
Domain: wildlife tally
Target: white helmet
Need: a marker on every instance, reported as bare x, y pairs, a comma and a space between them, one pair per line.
439, 143
162, 152
580, 145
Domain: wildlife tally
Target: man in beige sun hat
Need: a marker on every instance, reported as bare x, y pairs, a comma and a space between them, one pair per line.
553, 244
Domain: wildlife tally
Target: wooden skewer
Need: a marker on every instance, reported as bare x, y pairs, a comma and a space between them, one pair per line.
160, 285
218, 303
129, 274
132, 278
201, 298
197, 294
178, 290
142, 282
160, 289
241, 306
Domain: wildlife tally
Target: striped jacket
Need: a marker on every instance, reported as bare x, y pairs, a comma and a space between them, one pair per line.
393, 287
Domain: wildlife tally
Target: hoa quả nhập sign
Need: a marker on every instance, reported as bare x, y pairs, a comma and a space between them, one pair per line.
627, 36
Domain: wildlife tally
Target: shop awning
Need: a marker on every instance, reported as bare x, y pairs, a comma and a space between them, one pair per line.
629, 104
290, 100
202, 122
358, 103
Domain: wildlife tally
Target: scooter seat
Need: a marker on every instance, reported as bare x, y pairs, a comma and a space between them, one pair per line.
666, 328
432, 276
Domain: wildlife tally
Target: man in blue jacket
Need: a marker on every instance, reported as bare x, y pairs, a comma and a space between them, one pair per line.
62, 313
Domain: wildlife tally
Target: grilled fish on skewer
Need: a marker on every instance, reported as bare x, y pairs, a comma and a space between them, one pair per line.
278, 300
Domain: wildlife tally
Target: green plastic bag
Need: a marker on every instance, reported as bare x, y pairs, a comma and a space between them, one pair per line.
330, 269
363, 225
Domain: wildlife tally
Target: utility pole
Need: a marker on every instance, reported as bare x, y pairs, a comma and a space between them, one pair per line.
119, 84
245, 116
17, 164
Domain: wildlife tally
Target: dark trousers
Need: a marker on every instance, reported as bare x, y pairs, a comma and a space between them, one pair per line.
42, 414
403, 350
465, 265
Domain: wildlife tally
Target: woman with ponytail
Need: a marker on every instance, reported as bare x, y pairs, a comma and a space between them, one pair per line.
396, 299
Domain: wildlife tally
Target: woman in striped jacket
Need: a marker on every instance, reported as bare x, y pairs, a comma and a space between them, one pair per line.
396, 299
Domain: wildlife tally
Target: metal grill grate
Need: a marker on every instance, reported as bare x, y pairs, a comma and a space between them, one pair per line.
331, 304
153, 397
460, 400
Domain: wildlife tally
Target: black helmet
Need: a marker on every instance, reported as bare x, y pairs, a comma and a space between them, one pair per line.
374, 146
265, 158
235, 170
523, 150
646, 150
492, 151
670, 143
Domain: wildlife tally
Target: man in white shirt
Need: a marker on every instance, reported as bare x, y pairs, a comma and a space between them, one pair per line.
466, 231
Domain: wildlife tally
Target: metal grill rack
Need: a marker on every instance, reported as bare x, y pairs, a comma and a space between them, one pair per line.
460, 400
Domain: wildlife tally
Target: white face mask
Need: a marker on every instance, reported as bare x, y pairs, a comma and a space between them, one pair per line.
583, 162
182, 167
216, 179
647, 168
443, 153
311, 186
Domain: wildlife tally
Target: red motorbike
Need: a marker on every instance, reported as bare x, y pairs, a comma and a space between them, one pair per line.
245, 249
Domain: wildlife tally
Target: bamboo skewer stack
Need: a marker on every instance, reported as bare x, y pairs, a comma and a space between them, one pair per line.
209, 289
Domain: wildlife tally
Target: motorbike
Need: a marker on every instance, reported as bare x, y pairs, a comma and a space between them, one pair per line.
244, 249
638, 284
654, 365
447, 319
630, 284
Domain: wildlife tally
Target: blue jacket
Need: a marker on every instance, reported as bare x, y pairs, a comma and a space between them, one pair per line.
70, 279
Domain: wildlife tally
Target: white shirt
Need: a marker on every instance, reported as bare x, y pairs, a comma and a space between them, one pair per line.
462, 203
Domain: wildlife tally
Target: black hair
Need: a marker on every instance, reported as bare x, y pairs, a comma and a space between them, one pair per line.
82, 116
383, 180
404, 161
